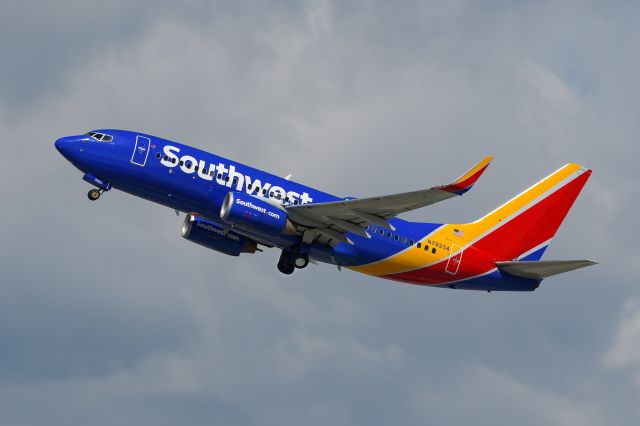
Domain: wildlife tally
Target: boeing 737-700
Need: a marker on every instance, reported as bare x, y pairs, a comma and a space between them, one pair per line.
233, 208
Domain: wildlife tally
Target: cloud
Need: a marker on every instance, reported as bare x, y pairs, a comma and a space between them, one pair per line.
107, 314
496, 398
624, 353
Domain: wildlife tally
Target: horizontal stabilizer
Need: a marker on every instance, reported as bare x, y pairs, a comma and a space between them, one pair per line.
542, 269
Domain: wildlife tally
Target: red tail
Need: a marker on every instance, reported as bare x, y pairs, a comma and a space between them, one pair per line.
524, 226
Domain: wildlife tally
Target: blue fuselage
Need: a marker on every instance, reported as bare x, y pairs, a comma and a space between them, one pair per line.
191, 180
199, 183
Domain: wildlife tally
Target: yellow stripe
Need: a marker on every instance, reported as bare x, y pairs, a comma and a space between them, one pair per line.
486, 160
413, 258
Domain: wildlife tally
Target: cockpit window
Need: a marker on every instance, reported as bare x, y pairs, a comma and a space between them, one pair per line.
101, 137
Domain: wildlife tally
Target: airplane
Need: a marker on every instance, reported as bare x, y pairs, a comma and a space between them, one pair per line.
233, 208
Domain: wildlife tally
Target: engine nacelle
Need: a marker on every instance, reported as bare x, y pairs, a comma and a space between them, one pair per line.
200, 231
255, 214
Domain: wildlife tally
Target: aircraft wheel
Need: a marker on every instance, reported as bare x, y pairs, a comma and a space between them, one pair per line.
285, 267
93, 194
286, 264
301, 261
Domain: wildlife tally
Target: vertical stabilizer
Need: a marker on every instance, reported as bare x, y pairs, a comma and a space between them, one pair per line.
523, 227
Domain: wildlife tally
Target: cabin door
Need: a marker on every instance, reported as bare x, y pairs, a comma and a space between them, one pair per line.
454, 260
141, 151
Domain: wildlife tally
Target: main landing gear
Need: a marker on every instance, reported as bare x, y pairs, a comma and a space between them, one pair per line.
290, 261
94, 194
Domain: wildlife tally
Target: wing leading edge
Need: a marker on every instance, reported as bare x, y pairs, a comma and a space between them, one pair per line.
333, 219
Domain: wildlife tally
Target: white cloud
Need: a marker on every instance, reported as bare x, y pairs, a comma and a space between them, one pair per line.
359, 99
302, 356
625, 351
493, 397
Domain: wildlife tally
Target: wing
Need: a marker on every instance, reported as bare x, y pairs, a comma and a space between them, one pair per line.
333, 219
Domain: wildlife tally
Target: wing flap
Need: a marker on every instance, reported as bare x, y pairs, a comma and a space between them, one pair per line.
542, 269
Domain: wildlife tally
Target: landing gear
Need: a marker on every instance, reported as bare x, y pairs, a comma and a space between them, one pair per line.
285, 264
102, 185
290, 261
94, 194
301, 261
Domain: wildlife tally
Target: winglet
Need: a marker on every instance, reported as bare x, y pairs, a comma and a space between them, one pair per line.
467, 179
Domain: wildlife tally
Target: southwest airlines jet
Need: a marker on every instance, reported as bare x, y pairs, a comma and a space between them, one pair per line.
232, 208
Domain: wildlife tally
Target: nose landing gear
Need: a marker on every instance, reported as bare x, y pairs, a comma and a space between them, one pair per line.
290, 261
102, 185
94, 194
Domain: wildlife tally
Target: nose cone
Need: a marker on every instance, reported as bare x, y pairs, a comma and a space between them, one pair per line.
67, 146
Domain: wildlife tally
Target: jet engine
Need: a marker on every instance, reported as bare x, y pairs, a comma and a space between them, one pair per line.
200, 231
254, 214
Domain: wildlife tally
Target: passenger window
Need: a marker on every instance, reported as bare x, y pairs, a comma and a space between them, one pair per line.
381, 231
181, 163
404, 240
173, 160
295, 202
419, 245
248, 186
374, 229
397, 237
388, 234
433, 250
157, 155
196, 168
211, 172
426, 248
411, 242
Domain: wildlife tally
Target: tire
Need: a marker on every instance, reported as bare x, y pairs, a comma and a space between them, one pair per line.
301, 261
286, 268
93, 194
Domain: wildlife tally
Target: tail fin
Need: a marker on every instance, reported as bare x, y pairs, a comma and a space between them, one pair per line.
523, 227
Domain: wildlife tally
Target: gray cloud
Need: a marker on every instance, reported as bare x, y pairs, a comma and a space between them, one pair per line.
106, 314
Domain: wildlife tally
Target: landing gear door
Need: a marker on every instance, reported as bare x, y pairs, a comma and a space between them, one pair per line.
141, 151
454, 260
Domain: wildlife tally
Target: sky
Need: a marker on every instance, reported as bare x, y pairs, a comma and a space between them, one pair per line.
107, 316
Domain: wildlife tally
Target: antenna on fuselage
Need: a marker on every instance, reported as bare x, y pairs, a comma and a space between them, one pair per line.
288, 177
